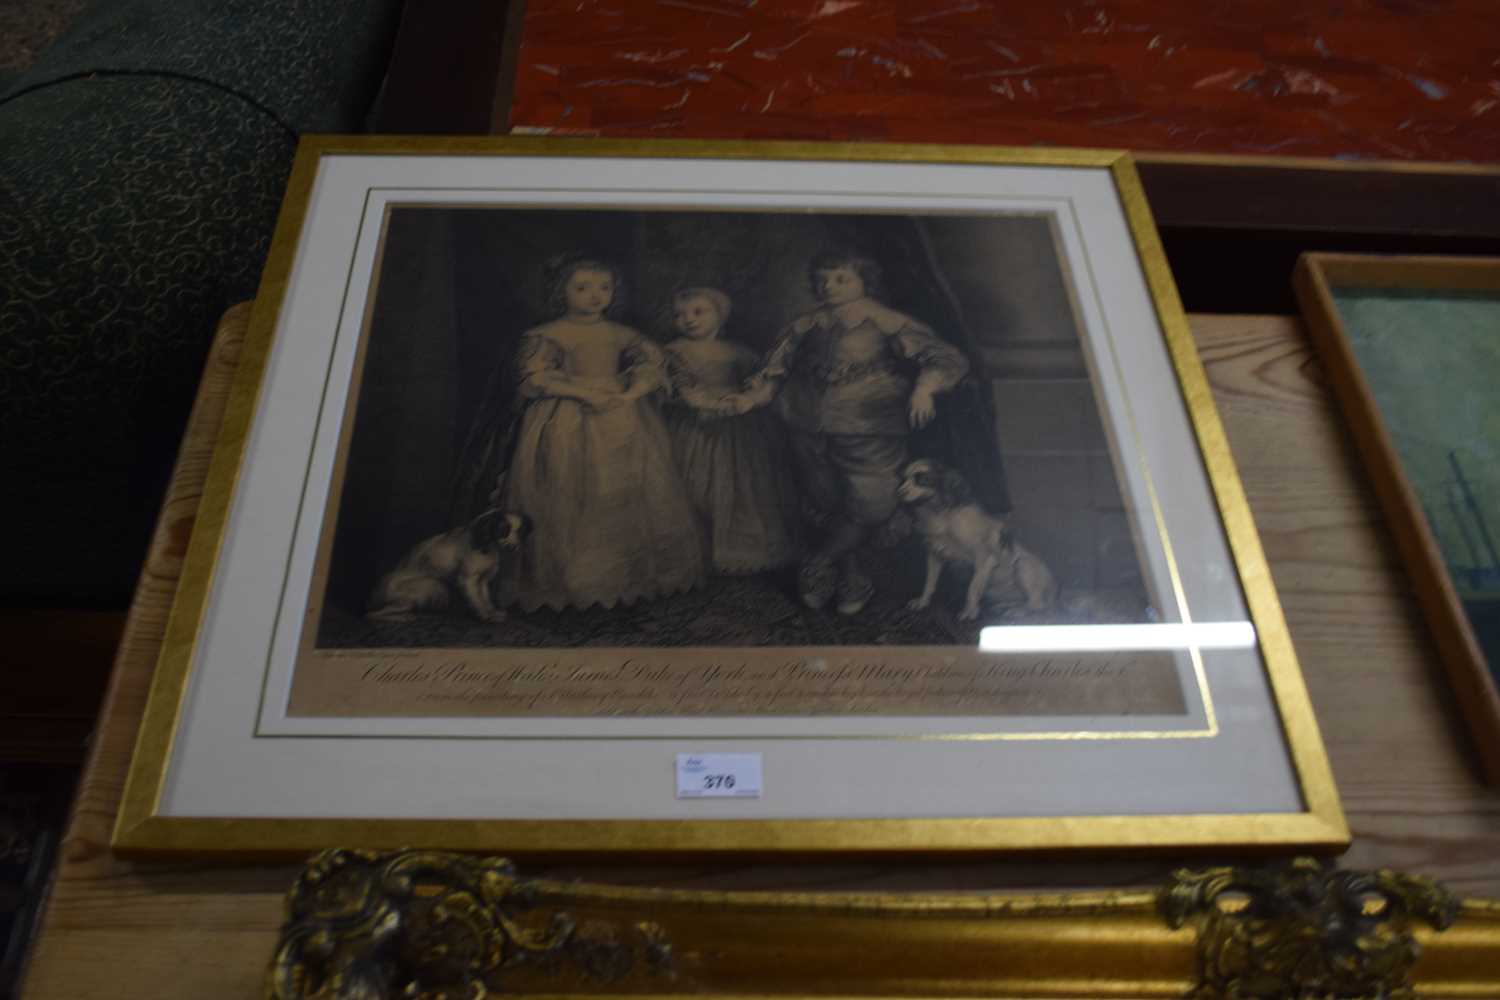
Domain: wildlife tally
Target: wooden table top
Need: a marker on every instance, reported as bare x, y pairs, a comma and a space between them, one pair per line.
130, 930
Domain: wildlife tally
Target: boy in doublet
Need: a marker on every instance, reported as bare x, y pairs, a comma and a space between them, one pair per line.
852, 379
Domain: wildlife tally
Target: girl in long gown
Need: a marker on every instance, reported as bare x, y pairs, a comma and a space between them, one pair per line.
734, 466
592, 469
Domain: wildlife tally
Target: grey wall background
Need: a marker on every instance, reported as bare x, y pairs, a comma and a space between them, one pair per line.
1066, 500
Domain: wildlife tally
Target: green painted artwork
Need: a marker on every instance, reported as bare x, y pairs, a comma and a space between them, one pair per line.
1432, 360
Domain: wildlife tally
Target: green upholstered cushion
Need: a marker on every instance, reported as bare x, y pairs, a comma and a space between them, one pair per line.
141, 168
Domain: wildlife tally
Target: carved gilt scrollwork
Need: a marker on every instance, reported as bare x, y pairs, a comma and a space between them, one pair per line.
1305, 930
419, 925
363, 925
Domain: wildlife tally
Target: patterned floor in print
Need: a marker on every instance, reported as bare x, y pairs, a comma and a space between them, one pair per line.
761, 610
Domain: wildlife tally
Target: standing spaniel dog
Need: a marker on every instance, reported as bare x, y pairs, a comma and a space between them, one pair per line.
956, 529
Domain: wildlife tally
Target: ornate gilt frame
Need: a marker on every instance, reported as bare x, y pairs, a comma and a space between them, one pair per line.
367, 925
142, 829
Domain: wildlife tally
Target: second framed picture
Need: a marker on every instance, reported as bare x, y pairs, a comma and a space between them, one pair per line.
591, 496
1412, 349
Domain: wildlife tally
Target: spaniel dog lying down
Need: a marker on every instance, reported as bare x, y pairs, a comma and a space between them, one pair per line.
464, 559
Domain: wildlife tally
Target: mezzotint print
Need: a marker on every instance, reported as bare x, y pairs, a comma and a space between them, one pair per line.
723, 463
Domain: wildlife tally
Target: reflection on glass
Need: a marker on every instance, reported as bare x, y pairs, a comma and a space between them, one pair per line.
1155, 635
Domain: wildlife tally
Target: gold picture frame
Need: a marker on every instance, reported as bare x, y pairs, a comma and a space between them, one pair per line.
183, 692
1299, 928
1370, 410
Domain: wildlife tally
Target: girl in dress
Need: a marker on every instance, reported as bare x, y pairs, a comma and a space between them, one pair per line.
733, 465
592, 468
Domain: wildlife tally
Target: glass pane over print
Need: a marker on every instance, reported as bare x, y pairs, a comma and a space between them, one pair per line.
473, 566
734, 431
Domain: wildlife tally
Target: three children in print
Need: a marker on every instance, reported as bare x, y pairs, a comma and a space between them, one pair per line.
641, 469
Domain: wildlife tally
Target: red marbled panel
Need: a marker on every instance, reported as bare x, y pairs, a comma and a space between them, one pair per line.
1413, 79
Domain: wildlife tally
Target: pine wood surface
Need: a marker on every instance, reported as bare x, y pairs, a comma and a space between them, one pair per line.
1413, 794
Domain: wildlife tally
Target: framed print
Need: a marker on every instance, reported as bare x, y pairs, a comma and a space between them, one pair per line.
1412, 348
583, 496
